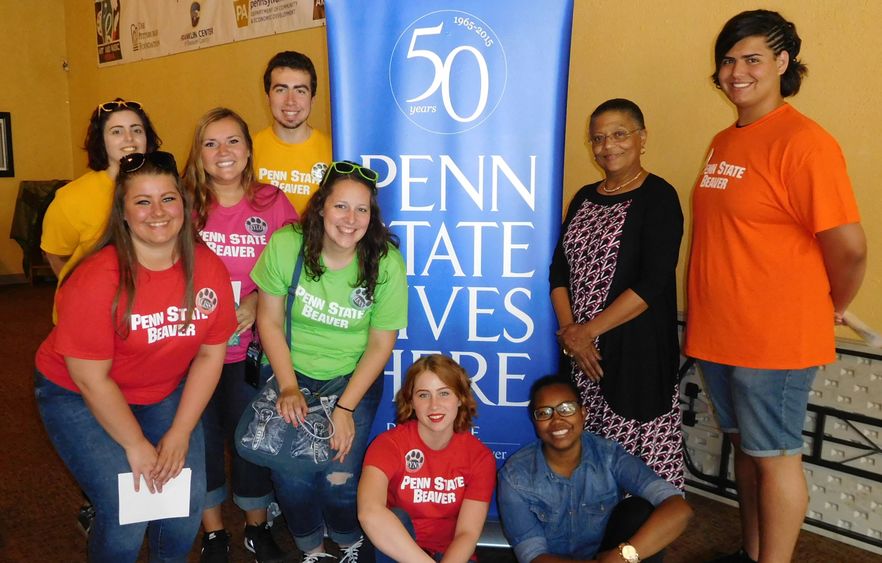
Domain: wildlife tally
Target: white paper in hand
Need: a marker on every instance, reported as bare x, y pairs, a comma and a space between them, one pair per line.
172, 502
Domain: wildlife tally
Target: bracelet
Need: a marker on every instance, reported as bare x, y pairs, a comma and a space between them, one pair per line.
339, 406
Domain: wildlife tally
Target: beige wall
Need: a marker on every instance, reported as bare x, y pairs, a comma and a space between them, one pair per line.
177, 90
660, 54
33, 88
657, 53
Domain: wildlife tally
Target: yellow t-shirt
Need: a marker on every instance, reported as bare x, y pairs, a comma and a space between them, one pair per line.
76, 218
296, 169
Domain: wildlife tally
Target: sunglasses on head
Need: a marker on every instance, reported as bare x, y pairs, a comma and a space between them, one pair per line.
161, 159
118, 104
348, 167
567, 408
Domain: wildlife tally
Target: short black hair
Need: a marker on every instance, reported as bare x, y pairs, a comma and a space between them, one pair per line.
548, 381
780, 35
294, 60
622, 105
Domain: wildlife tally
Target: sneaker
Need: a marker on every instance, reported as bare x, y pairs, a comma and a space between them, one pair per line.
314, 557
350, 554
259, 541
739, 556
85, 519
215, 547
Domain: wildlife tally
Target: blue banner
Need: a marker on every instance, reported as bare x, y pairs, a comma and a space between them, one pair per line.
460, 106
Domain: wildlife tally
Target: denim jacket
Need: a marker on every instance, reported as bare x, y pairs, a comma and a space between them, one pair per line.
543, 512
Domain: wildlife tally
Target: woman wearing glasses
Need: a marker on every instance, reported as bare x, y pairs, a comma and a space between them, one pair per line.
614, 294
427, 483
351, 300
77, 216
235, 215
123, 378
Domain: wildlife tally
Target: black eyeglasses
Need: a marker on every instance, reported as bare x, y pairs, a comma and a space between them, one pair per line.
567, 408
161, 159
348, 167
119, 104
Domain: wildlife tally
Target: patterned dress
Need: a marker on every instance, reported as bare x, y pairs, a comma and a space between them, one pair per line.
610, 244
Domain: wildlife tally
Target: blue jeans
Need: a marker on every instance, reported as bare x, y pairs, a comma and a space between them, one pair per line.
320, 494
404, 517
766, 407
252, 486
95, 460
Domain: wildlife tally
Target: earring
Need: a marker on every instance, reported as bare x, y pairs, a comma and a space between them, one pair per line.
642, 150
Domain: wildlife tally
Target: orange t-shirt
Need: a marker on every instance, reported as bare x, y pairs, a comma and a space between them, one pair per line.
758, 293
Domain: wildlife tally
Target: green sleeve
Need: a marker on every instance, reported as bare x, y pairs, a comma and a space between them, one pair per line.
390, 297
273, 270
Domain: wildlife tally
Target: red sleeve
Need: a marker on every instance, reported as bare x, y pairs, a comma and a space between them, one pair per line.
384, 455
85, 328
482, 481
218, 278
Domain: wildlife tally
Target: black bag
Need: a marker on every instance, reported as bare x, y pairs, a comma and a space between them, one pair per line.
253, 357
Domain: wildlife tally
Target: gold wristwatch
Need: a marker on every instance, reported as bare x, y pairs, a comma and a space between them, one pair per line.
629, 553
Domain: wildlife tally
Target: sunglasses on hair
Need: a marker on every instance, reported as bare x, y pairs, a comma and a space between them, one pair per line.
161, 159
348, 167
567, 408
118, 104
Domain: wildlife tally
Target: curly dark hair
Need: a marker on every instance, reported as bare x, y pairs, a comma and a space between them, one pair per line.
453, 376
372, 247
94, 142
780, 35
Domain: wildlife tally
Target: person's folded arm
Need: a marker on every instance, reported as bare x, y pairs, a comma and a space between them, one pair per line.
844, 249
384, 529
271, 313
106, 402
671, 514
202, 378
521, 526
469, 524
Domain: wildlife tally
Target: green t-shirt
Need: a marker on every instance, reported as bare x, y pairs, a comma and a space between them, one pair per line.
330, 318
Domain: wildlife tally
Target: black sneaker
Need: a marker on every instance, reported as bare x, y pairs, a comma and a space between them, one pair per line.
85, 518
739, 556
215, 547
259, 541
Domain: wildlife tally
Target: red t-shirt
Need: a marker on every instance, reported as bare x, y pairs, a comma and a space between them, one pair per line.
430, 485
150, 362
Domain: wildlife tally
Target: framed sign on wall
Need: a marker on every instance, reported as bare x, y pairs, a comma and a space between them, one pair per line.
7, 170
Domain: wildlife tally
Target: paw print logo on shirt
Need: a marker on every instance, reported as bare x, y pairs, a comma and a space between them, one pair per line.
256, 226
206, 300
413, 460
359, 299
318, 171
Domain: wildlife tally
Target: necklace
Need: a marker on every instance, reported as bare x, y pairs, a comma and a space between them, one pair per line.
620, 186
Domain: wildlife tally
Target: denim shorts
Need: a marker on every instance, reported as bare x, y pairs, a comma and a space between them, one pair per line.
766, 407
